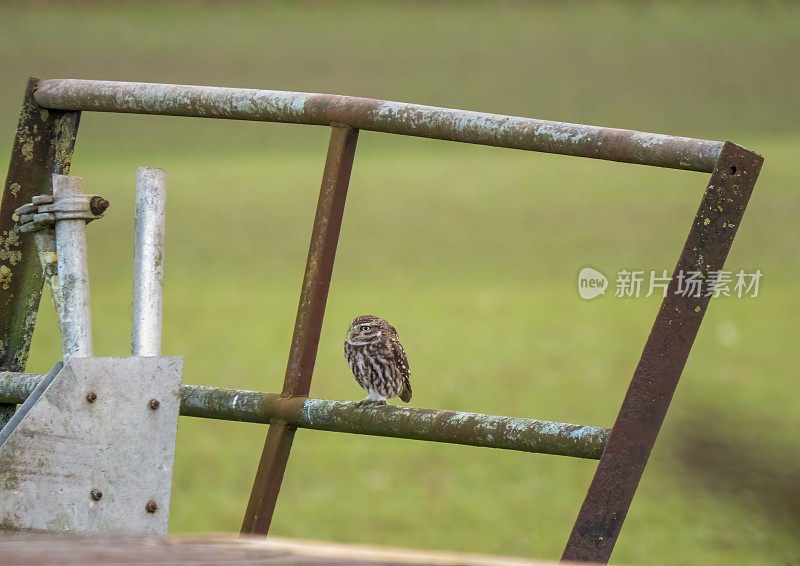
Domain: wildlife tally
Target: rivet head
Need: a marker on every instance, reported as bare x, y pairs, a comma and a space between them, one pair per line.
91, 397
151, 506
154, 404
96, 494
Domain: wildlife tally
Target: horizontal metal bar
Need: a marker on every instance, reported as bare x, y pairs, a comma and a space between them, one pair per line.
454, 427
611, 144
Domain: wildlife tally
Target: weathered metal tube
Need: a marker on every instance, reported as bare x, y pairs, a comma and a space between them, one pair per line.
455, 427
15, 387
611, 144
148, 263
73, 275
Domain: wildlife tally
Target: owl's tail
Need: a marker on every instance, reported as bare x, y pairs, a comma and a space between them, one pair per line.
405, 394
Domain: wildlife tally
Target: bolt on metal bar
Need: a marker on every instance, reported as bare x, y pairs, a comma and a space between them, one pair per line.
308, 325
453, 427
73, 274
148, 263
580, 140
656, 376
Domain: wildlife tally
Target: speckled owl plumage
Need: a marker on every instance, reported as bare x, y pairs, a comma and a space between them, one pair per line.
377, 359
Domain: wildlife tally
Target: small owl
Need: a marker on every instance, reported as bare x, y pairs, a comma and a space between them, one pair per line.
377, 360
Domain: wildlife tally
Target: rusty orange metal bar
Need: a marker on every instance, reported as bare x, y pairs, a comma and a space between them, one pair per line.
308, 325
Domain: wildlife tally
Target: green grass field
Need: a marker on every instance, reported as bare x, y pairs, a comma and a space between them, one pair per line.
471, 252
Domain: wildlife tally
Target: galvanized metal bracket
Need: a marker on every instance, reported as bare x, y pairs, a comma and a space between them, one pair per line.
45, 210
92, 449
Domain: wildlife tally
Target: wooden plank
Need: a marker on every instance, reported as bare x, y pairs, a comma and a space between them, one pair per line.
30, 549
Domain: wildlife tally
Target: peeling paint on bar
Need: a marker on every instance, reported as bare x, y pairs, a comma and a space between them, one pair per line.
455, 427
596, 142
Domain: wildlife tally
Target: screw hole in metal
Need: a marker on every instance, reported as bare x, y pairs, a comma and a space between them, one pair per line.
151, 506
154, 404
96, 495
91, 397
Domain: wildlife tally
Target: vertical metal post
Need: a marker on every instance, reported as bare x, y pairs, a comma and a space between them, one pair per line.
43, 145
654, 381
308, 325
73, 275
148, 263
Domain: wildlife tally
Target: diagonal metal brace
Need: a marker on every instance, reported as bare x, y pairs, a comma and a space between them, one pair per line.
656, 377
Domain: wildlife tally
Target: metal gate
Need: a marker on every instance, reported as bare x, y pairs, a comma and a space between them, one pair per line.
44, 144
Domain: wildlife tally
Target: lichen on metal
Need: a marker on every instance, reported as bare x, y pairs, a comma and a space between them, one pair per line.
482, 128
15, 387
9, 244
42, 145
455, 427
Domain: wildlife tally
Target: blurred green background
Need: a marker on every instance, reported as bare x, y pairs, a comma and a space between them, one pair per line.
471, 252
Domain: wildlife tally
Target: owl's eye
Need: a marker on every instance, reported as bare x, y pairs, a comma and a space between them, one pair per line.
365, 328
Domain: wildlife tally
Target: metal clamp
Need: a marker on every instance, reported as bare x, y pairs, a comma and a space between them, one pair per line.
45, 210
58, 223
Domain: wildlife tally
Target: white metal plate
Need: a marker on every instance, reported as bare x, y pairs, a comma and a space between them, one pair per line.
66, 446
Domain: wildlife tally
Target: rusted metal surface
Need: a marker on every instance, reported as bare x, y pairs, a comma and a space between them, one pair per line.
453, 427
308, 324
665, 353
580, 140
43, 145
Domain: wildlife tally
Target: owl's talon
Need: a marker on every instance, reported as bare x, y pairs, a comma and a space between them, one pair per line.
368, 401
